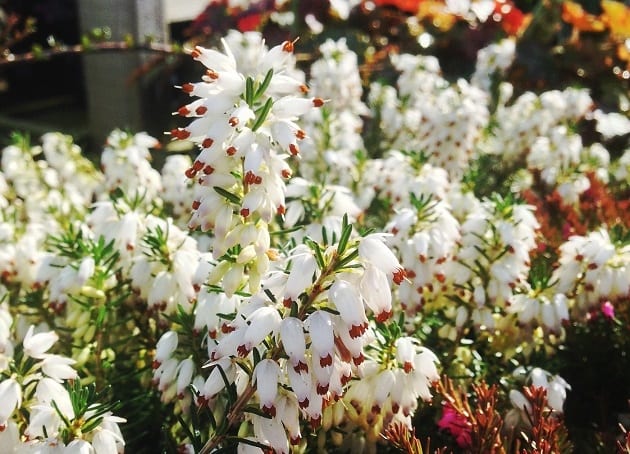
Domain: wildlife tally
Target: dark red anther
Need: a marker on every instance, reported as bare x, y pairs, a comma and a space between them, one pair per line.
293, 148
196, 204
287, 46
383, 316
183, 111
207, 170
242, 351
190, 172
201, 110
231, 151
325, 361
245, 212
318, 102
358, 360
188, 88
399, 276
207, 142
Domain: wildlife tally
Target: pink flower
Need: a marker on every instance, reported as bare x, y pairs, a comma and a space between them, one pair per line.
457, 425
608, 310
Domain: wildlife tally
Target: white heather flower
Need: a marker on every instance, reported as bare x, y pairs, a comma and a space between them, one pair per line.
58, 367
293, 342
320, 328
347, 300
10, 399
372, 249
266, 375
36, 345
126, 165
166, 346
493, 60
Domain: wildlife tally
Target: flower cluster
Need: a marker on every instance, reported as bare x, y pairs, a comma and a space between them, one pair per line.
332, 239
43, 406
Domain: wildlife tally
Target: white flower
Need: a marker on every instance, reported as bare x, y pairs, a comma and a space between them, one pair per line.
372, 249
10, 399
266, 375
36, 345
58, 367
166, 346
293, 341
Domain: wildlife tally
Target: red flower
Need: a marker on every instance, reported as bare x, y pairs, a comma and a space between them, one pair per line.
512, 19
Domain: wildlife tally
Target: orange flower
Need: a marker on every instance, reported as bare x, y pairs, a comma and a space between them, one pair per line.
617, 16
409, 6
435, 10
574, 14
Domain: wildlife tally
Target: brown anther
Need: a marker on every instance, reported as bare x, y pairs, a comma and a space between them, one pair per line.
326, 360
242, 351
592, 266
250, 177
188, 88
318, 102
300, 134
358, 360
281, 210
180, 133
207, 170
231, 151
195, 53
286, 173
201, 110
198, 165
293, 148
287, 302
287, 46
196, 204
303, 88
207, 142
212, 74
183, 111
233, 121
190, 172
322, 389
226, 328
383, 316
245, 212
258, 179
399, 276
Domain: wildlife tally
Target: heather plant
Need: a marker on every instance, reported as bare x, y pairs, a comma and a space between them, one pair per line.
357, 253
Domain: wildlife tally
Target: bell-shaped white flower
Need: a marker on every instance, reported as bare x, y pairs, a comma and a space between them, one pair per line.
10, 399
293, 341
165, 346
36, 345
266, 375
